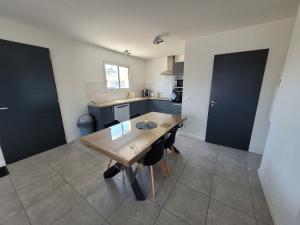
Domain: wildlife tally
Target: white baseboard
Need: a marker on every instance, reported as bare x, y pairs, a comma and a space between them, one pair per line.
191, 135
258, 151
268, 198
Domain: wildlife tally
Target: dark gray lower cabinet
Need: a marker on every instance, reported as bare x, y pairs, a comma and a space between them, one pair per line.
165, 107
101, 115
140, 107
144, 107
159, 106
106, 114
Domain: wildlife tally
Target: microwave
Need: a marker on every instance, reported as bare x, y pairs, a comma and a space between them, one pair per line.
179, 83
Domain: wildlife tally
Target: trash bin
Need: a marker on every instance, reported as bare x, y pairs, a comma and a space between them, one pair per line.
86, 124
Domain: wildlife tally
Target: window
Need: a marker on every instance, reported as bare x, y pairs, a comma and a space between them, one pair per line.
117, 76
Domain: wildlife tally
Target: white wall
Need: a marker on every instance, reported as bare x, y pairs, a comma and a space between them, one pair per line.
78, 69
199, 58
280, 168
160, 83
156, 82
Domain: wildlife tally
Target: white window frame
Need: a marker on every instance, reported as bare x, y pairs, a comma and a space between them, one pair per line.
118, 65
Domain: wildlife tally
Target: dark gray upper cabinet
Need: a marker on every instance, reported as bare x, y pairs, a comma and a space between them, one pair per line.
178, 68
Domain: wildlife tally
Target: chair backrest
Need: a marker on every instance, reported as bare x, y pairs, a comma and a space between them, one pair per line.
109, 124
171, 138
155, 154
134, 115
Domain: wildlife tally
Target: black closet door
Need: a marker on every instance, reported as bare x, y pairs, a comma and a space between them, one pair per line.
235, 90
30, 115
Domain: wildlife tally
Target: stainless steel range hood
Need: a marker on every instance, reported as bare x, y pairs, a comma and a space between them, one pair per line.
172, 67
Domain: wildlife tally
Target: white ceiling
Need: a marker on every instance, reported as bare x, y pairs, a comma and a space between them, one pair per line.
132, 24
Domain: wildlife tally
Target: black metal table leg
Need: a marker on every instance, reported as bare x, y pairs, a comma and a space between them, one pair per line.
139, 195
113, 171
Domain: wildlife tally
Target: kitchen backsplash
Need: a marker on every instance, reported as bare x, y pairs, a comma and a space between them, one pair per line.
96, 91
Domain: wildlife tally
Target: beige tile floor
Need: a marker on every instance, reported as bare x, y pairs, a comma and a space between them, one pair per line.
209, 184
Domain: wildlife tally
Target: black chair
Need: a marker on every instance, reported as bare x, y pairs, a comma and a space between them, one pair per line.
170, 140
169, 144
134, 115
109, 124
152, 157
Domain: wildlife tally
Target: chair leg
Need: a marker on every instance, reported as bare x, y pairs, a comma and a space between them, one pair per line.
167, 161
152, 181
109, 164
174, 153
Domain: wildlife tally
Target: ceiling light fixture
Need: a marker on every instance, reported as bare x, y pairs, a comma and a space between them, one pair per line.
157, 40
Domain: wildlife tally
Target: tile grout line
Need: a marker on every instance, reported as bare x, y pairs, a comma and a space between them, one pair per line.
250, 192
83, 198
177, 216
176, 182
56, 190
230, 206
214, 173
163, 207
12, 184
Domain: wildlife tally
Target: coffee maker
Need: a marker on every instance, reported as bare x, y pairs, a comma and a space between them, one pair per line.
146, 93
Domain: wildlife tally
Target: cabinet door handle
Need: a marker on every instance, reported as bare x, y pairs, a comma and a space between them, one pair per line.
3, 108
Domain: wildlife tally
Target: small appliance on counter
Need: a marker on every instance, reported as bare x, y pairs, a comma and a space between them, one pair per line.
131, 94
154, 94
146, 93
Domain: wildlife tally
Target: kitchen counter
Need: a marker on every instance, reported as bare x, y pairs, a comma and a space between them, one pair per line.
123, 101
104, 112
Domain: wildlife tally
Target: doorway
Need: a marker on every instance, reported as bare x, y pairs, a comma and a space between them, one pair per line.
235, 89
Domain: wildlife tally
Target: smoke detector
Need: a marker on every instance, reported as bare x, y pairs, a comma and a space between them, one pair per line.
126, 52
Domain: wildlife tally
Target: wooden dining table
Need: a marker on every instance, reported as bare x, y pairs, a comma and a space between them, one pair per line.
126, 144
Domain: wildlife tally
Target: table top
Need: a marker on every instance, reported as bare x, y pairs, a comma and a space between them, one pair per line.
125, 143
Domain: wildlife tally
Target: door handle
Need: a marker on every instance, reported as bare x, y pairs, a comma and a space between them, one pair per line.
3, 108
214, 102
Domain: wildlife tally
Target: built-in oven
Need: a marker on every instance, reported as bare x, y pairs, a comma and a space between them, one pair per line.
177, 95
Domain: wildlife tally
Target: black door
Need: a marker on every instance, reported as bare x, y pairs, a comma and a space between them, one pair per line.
235, 89
30, 115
